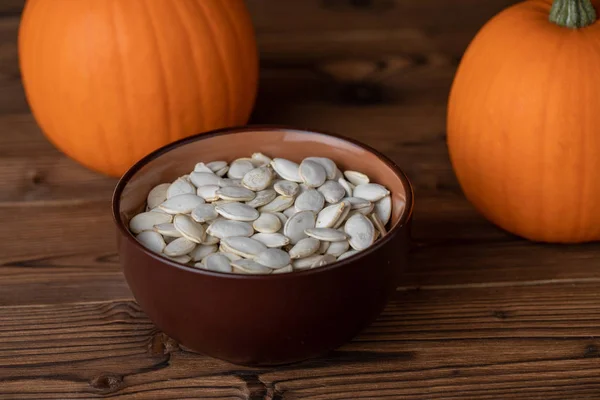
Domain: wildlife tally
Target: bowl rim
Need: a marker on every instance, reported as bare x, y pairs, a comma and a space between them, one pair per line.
126, 177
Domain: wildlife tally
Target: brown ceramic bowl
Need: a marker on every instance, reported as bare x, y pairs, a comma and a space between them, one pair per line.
262, 319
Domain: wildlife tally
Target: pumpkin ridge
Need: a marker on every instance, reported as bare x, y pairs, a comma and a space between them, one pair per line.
200, 120
220, 58
162, 73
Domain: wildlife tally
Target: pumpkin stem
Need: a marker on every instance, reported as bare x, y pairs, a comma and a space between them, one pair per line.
573, 14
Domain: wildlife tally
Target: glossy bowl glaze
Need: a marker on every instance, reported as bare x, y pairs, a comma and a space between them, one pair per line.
263, 319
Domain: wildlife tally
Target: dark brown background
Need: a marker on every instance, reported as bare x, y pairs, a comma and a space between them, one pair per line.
482, 314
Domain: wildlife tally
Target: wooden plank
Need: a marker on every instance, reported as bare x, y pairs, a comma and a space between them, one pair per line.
519, 343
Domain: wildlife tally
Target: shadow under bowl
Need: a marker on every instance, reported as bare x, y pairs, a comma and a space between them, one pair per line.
263, 319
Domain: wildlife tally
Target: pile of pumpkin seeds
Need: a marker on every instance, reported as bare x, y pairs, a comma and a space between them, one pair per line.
259, 215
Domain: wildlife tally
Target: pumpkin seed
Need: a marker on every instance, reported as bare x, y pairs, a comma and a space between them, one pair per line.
287, 169
184, 259
217, 262
226, 182
222, 171
182, 204
383, 209
347, 254
145, 221
304, 248
201, 167
328, 216
271, 239
259, 159
310, 200
243, 246
332, 191
157, 195
224, 228
288, 212
151, 240
273, 258
323, 246
236, 193
189, 228
282, 217
326, 234
250, 267
356, 178
167, 229
284, 270
323, 260
267, 223
371, 191
239, 168
203, 250
306, 262
378, 224
208, 192
366, 210
204, 213
348, 187
262, 197
296, 225
357, 202
215, 166
179, 247
360, 231
280, 203
345, 214
336, 249
327, 164
286, 188
258, 179
312, 173
231, 256
210, 240
180, 186
204, 178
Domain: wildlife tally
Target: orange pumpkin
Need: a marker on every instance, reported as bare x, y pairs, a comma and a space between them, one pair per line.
524, 121
108, 81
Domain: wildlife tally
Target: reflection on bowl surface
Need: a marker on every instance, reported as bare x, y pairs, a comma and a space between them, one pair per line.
263, 319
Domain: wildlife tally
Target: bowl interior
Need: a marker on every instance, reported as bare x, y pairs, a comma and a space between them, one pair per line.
179, 158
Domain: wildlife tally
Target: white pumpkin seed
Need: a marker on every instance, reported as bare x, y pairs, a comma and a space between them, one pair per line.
168, 239
310, 200
250, 267
357, 202
323, 246
286, 188
226, 182
267, 223
326, 234
271, 239
348, 187
224, 228
237, 211
218, 263
157, 195
259, 159
306, 262
288, 212
273, 258
328, 216
182, 204
371, 191
180, 186
239, 168
208, 192
201, 167
378, 224
332, 191
204, 213
360, 230
336, 249
262, 197
151, 240
284, 270
210, 240
179, 247
312, 173
323, 260
366, 210
204, 178
347, 254
258, 179
383, 209
203, 250
236, 193
145, 221
243, 246
282, 217
214, 166
280, 203
184, 259
338, 174
304, 248
222, 171
356, 178
189, 228
167, 229
287, 169
327, 164
296, 225
344, 215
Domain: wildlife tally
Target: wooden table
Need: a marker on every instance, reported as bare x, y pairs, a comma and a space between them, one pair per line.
481, 315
